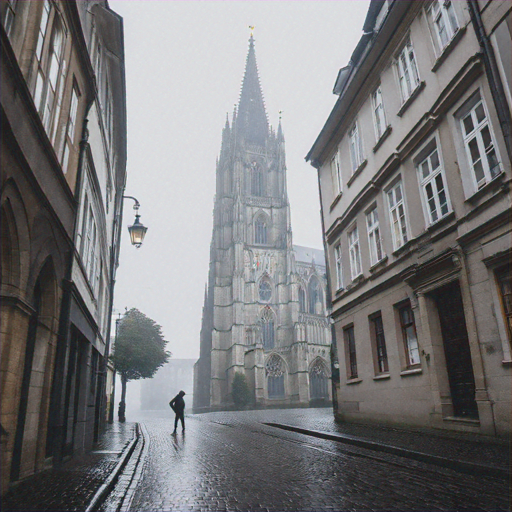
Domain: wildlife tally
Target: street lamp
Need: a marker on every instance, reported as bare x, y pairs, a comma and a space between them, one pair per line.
137, 230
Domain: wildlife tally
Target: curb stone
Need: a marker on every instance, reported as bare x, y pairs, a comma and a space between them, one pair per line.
109, 484
457, 465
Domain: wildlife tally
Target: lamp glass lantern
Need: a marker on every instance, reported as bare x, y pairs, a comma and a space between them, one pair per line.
137, 232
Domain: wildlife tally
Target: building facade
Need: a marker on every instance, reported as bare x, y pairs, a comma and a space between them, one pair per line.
414, 175
56, 295
264, 311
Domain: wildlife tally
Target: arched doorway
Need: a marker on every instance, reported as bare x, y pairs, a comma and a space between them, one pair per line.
30, 437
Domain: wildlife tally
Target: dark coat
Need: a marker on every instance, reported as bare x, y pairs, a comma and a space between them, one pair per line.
177, 404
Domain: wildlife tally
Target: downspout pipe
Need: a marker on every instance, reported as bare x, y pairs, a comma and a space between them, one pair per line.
493, 74
58, 396
335, 374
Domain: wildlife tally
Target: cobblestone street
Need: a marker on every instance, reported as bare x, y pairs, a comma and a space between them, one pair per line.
233, 461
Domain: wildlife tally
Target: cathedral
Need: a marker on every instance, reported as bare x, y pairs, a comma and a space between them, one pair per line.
264, 313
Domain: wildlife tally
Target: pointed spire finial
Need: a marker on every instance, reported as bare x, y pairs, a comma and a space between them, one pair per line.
252, 29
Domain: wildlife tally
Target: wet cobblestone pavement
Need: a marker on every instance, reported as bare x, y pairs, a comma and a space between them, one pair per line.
72, 487
231, 461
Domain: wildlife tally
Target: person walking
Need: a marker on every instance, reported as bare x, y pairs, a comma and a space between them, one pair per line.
178, 406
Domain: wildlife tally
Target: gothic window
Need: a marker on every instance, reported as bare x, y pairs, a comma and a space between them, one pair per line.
267, 329
315, 297
265, 290
50, 66
274, 371
302, 300
256, 180
318, 380
260, 231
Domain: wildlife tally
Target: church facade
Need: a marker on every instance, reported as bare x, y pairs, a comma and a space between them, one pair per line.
264, 314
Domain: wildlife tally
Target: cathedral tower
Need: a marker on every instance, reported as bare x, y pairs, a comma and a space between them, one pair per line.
255, 314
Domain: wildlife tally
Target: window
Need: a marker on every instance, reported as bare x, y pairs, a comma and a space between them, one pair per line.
412, 352
374, 239
265, 291
10, 12
318, 380
350, 350
408, 76
69, 138
256, 180
381, 356
267, 329
339, 271
397, 215
504, 280
356, 148
274, 370
260, 228
442, 17
479, 144
302, 300
336, 174
379, 118
315, 297
355, 253
432, 183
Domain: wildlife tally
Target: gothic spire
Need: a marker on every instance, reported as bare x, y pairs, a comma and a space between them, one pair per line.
252, 123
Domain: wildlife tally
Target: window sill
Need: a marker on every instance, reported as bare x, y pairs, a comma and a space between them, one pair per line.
448, 48
357, 172
356, 280
467, 421
383, 137
507, 362
356, 380
440, 222
336, 201
403, 248
490, 185
381, 263
384, 376
411, 98
412, 371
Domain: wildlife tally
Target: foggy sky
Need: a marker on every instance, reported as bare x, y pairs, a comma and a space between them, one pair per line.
184, 67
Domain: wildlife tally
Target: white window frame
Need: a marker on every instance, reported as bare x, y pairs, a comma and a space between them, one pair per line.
408, 73
356, 147
338, 266
476, 134
69, 138
374, 238
443, 17
397, 215
10, 16
336, 174
356, 268
379, 115
426, 162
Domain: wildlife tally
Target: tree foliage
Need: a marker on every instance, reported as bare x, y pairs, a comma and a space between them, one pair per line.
139, 348
240, 391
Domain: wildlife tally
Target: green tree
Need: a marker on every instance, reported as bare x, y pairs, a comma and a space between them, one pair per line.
240, 391
139, 351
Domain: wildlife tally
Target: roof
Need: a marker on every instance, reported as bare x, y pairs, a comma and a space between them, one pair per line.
308, 255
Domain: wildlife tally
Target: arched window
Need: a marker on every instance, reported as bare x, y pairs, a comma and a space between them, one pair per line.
256, 180
260, 231
274, 370
318, 381
316, 301
265, 290
49, 67
302, 300
267, 329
